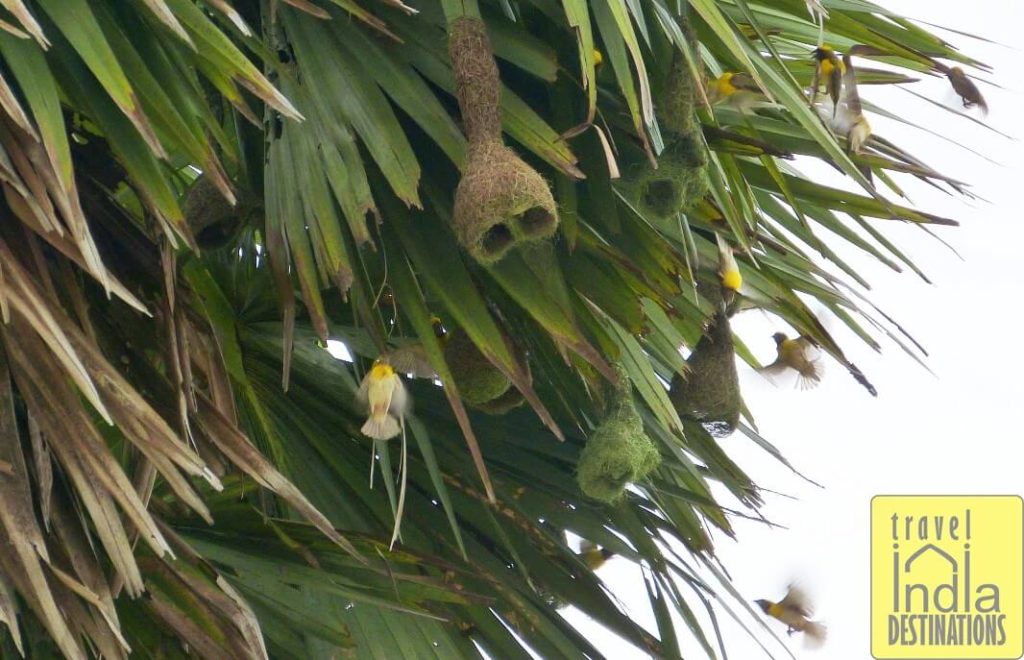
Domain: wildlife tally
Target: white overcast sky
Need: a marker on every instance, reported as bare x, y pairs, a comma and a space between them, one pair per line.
951, 432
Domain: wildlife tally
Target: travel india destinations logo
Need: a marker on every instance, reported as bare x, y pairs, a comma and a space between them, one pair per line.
947, 577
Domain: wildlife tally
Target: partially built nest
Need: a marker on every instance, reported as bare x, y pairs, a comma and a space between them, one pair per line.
479, 382
501, 201
214, 221
679, 182
618, 452
510, 400
709, 393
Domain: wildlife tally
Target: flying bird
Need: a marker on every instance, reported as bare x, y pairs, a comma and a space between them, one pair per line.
795, 611
799, 355
966, 89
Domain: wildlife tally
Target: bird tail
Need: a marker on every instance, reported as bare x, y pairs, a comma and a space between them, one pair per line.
381, 427
815, 633
810, 375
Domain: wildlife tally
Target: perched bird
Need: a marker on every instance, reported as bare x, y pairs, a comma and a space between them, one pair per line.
830, 69
598, 58
593, 555
850, 118
737, 88
794, 610
966, 89
728, 269
798, 354
385, 398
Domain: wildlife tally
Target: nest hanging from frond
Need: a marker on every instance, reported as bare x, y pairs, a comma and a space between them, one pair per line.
501, 201
510, 400
618, 452
478, 381
709, 393
679, 182
214, 221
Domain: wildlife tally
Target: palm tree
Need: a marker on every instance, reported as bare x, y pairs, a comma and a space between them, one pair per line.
524, 201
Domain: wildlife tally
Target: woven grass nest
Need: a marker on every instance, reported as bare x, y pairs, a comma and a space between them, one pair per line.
481, 385
501, 201
213, 220
679, 182
709, 393
618, 452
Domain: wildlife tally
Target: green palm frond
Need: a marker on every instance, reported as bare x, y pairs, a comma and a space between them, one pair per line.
200, 194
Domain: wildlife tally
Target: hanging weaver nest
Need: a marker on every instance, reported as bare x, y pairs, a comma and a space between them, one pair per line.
213, 220
709, 393
501, 201
510, 400
478, 381
679, 182
618, 452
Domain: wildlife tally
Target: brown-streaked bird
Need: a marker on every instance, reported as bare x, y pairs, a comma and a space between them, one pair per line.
795, 611
850, 114
799, 355
966, 89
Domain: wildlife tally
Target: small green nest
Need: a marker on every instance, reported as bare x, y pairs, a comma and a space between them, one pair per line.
679, 182
710, 391
618, 452
501, 201
510, 400
479, 382
213, 220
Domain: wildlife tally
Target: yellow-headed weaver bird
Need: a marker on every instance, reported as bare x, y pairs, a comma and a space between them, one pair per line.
829, 68
728, 269
851, 118
598, 58
800, 355
794, 610
966, 89
593, 555
385, 398
738, 88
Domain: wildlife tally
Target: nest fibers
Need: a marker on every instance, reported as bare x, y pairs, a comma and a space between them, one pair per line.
501, 201
709, 393
479, 382
214, 221
679, 182
618, 452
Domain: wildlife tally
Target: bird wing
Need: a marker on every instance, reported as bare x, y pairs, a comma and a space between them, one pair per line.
363, 393
851, 96
745, 81
399, 398
796, 600
771, 371
411, 359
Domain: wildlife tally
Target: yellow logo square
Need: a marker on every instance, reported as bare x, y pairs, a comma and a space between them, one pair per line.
947, 577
